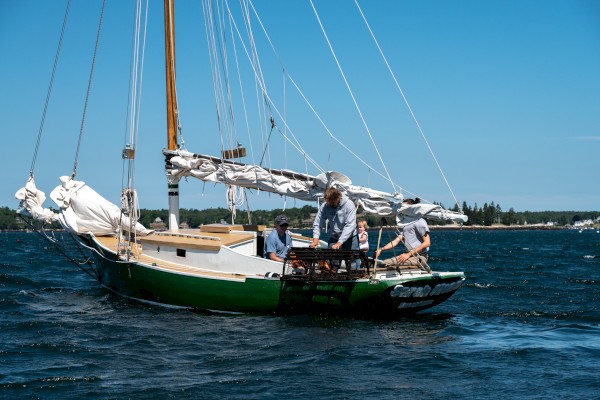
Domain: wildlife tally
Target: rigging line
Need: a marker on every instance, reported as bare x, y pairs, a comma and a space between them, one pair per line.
218, 55
131, 204
209, 42
263, 106
242, 95
259, 106
351, 93
397, 188
296, 145
131, 103
60, 248
232, 132
87, 96
134, 73
222, 75
255, 57
141, 82
211, 47
406, 102
56, 57
331, 133
136, 83
267, 144
239, 77
284, 117
131, 92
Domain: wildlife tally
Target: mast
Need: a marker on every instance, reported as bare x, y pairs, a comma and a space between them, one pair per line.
172, 112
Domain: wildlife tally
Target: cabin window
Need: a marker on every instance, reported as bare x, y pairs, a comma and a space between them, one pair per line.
180, 252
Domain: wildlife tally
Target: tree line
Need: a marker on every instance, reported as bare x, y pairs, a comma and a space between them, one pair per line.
486, 215
490, 214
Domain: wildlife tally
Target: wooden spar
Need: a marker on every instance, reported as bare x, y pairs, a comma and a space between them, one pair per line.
170, 75
172, 112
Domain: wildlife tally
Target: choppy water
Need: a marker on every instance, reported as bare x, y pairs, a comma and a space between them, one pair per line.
525, 325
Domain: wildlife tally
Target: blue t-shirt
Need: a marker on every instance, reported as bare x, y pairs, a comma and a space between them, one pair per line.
276, 244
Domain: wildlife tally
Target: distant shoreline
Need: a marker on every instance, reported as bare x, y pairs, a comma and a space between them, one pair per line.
489, 228
431, 227
500, 227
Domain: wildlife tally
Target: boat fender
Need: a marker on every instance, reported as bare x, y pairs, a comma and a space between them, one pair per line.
272, 275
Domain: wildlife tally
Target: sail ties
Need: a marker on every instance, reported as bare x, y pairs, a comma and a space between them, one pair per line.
129, 204
231, 202
32, 201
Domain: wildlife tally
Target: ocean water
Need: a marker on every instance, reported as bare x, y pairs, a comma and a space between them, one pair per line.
526, 324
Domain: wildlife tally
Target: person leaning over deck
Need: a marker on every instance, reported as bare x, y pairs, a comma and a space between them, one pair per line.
279, 241
341, 214
415, 235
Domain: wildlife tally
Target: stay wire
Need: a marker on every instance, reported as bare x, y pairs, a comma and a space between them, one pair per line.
414, 117
61, 250
241, 88
358, 109
87, 96
56, 58
295, 144
314, 111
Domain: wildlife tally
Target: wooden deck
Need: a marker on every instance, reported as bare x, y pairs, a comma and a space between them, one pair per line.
195, 239
111, 243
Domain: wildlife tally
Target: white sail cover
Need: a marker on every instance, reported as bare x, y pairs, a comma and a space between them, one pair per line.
302, 186
83, 210
31, 203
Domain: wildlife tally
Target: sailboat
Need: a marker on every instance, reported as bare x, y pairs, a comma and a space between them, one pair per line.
220, 267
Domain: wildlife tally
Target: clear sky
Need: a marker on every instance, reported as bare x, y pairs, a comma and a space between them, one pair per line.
506, 92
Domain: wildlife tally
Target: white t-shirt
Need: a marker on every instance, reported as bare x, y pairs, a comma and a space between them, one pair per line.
363, 246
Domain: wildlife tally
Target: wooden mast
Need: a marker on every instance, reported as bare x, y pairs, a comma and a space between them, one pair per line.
172, 112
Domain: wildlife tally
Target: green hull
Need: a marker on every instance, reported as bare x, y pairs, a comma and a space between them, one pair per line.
259, 295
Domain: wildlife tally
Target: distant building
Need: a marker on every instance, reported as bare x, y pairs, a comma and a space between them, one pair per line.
158, 224
184, 225
308, 223
583, 222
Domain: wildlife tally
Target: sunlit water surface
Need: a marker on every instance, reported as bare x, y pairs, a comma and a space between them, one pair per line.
526, 324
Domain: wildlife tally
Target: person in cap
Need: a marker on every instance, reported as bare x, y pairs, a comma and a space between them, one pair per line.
279, 241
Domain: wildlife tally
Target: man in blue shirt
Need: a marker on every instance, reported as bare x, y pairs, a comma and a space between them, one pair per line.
279, 241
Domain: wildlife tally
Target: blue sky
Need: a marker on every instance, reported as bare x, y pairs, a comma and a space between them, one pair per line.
507, 94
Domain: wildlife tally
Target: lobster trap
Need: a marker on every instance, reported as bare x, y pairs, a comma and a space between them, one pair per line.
304, 263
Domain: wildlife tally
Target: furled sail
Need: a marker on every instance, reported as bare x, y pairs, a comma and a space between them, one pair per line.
82, 209
31, 203
301, 186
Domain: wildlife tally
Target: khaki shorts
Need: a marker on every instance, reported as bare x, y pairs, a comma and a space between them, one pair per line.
413, 261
